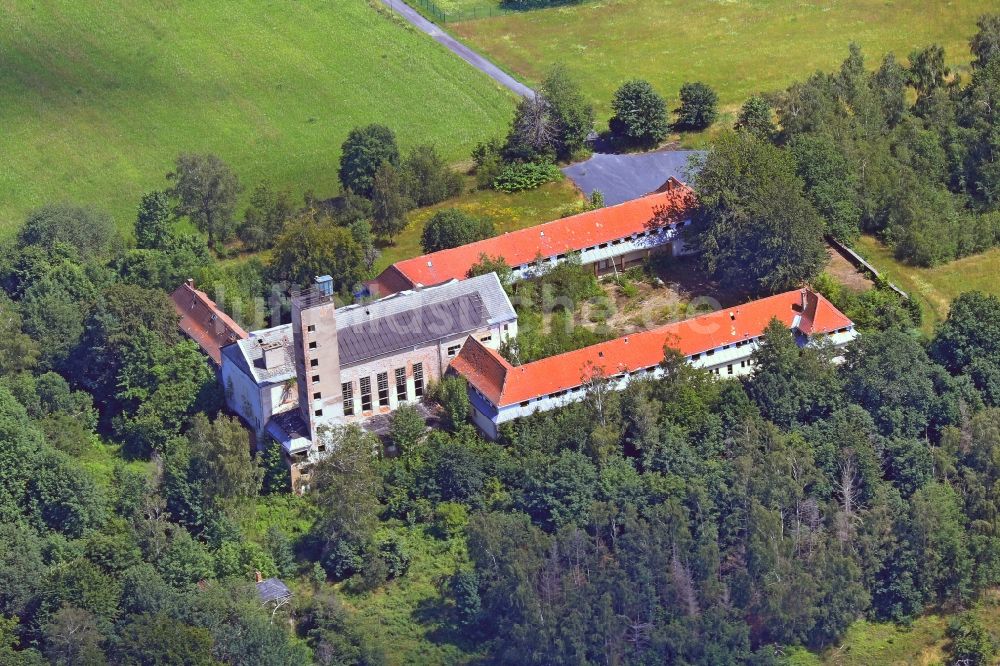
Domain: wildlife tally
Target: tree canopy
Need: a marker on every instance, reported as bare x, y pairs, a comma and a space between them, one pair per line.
754, 225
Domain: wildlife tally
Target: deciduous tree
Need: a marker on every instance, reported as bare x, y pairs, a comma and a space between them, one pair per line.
754, 225
640, 114
312, 245
152, 222
205, 189
363, 152
699, 106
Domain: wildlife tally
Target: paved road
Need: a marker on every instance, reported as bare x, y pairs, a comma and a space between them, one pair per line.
460, 49
624, 177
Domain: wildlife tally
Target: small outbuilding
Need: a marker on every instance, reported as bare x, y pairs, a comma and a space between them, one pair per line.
272, 592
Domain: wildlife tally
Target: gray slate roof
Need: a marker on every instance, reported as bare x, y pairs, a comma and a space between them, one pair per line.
272, 589
405, 320
624, 177
411, 328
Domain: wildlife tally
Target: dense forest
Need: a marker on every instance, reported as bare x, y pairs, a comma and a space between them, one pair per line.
684, 520
908, 152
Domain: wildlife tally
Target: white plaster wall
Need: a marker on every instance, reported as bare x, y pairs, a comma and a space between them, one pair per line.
243, 396
627, 245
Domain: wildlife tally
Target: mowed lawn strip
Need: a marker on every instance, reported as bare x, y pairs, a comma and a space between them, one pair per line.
100, 97
740, 47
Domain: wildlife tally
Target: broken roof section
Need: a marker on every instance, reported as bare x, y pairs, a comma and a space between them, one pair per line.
204, 322
504, 384
570, 234
266, 356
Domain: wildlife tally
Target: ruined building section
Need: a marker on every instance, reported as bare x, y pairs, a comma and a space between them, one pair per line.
317, 355
204, 322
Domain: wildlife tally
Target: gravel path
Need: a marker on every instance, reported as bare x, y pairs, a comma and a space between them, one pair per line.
459, 49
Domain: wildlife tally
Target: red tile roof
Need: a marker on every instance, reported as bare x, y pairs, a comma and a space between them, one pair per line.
204, 322
504, 384
568, 234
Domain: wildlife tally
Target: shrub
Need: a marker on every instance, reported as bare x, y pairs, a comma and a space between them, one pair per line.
395, 556
450, 518
451, 228
527, 176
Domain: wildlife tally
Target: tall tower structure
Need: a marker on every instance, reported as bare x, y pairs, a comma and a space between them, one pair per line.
317, 358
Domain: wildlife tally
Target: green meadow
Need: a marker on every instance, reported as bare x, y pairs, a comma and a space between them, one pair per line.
936, 287
98, 98
740, 47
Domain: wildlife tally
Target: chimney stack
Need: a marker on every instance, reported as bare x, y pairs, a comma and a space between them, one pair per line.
273, 354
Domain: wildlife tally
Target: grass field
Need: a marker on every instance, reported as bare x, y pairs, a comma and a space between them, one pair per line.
935, 288
98, 98
740, 47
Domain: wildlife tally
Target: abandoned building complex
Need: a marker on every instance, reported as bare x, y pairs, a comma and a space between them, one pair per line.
721, 342
354, 364
606, 239
335, 365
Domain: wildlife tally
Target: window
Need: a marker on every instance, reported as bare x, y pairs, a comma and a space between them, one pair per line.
347, 392
312, 345
695, 357
486, 338
452, 350
400, 384
314, 363
418, 379
709, 352
729, 369
315, 378
602, 245
317, 395
505, 327
319, 412
366, 394
311, 328
383, 389
525, 403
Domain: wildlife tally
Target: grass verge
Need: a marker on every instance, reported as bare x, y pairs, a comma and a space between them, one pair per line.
935, 288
